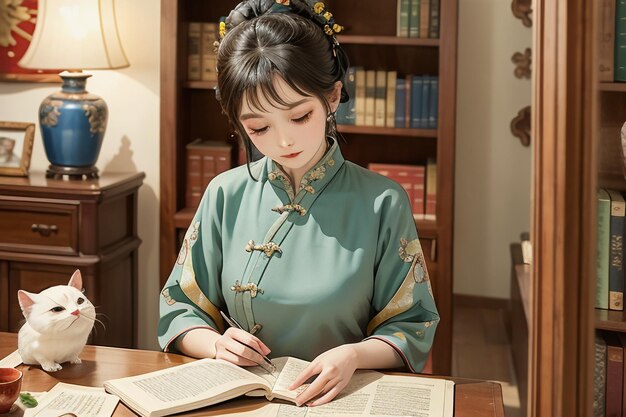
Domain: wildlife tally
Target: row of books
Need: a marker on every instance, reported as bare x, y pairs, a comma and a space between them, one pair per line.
610, 250
205, 160
612, 55
380, 98
420, 183
201, 54
609, 390
418, 19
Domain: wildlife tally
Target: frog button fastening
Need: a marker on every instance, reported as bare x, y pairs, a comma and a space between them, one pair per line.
268, 248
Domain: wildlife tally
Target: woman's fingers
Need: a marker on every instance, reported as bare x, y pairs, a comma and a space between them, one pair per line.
247, 339
309, 371
317, 387
238, 347
233, 358
328, 397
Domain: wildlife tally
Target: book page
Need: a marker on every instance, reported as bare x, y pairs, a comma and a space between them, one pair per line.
185, 387
77, 399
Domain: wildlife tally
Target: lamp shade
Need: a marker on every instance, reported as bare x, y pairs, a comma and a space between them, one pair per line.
75, 34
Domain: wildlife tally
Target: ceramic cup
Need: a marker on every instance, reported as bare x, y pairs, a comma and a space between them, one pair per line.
10, 385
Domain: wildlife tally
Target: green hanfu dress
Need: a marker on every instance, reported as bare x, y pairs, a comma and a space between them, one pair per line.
338, 262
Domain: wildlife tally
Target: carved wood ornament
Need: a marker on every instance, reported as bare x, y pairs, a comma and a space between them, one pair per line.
522, 62
522, 9
520, 126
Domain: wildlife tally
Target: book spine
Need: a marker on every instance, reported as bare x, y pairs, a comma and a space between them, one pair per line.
433, 106
599, 377
433, 25
620, 41
417, 90
193, 51
424, 110
208, 169
380, 110
402, 29
424, 19
223, 161
400, 102
418, 193
614, 375
370, 97
606, 45
193, 191
209, 57
602, 257
616, 252
431, 190
414, 19
346, 114
359, 103
408, 83
390, 107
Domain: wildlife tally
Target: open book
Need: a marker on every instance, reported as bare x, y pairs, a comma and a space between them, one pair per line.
209, 381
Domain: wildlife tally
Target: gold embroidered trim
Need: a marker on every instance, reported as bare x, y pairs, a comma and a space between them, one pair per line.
268, 248
290, 207
256, 328
247, 287
168, 298
189, 285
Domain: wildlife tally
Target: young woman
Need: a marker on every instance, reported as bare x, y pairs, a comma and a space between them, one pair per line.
314, 256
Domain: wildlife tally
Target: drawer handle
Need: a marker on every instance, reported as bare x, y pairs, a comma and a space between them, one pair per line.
44, 229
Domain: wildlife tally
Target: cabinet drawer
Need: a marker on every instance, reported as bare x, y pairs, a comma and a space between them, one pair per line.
39, 227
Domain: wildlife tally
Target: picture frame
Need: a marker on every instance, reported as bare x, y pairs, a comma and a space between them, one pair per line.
20, 18
16, 148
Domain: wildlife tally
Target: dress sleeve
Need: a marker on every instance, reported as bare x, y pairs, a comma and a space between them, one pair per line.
192, 296
404, 314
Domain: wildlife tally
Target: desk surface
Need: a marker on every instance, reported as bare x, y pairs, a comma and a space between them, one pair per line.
472, 398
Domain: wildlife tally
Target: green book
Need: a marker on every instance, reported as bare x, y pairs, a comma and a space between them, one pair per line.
620, 41
414, 19
403, 18
602, 260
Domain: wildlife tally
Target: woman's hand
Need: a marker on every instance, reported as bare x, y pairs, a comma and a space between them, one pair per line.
333, 368
237, 346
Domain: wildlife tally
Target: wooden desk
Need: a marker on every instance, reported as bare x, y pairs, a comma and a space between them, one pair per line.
472, 398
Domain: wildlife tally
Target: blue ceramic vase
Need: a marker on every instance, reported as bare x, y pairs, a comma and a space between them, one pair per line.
73, 123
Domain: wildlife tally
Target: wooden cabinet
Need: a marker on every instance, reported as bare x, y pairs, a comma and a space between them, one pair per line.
49, 228
189, 110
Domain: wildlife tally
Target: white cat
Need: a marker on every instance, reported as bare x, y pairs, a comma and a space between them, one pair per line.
58, 322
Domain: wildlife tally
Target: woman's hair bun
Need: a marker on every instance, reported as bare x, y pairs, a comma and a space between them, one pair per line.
247, 10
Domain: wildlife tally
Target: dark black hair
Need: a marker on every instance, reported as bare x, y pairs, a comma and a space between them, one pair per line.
260, 45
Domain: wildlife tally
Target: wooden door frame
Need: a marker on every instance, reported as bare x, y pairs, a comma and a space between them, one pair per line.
563, 217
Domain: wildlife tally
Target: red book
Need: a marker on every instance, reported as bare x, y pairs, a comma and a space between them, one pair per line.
205, 160
431, 190
419, 188
614, 375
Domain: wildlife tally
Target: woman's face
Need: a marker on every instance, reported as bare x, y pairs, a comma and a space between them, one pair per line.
293, 136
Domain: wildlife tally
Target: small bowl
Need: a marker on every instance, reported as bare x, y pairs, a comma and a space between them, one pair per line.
10, 386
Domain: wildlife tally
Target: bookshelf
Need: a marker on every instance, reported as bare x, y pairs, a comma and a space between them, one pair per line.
189, 110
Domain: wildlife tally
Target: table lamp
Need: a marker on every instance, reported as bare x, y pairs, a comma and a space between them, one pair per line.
73, 35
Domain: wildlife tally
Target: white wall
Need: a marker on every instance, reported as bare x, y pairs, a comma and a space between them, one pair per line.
131, 142
493, 169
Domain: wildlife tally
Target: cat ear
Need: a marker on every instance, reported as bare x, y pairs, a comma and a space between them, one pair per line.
76, 281
26, 299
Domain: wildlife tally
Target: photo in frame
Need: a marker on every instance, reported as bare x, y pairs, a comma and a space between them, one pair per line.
18, 19
16, 147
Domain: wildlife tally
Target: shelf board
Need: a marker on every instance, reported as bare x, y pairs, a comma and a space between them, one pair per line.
182, 219
611, 320
612, 181
386, 40
426, 228
612, 87
200, 85
387, 131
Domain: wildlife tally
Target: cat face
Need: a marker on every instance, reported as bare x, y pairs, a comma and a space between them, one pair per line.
59, 309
